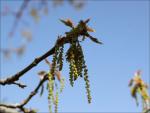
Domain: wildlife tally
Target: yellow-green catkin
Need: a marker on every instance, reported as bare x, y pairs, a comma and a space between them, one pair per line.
80, 59
60, 57
87, 85
62, 84
50, 91
69, 57
54, 61
83, 67
56, 102
77, 65
71, 75
73, 67
72, 57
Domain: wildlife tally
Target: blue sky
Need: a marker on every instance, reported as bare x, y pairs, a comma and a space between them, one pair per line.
123, 27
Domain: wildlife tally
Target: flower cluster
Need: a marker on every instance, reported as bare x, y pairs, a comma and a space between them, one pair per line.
52, 86
139, 87
57, 59
77, 65
75, 58
53, 92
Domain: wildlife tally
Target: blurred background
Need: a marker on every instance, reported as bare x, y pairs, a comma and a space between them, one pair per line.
30, 31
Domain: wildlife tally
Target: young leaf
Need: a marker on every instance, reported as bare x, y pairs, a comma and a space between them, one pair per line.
67, 22
95, 40
90, 29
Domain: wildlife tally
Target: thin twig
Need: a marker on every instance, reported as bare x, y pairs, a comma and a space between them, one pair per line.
34, 92
24, 102
19, 84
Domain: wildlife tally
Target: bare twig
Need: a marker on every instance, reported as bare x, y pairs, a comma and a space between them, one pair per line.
19, 84
4, 108
8, 110
9, 106
24, 102
34, 92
